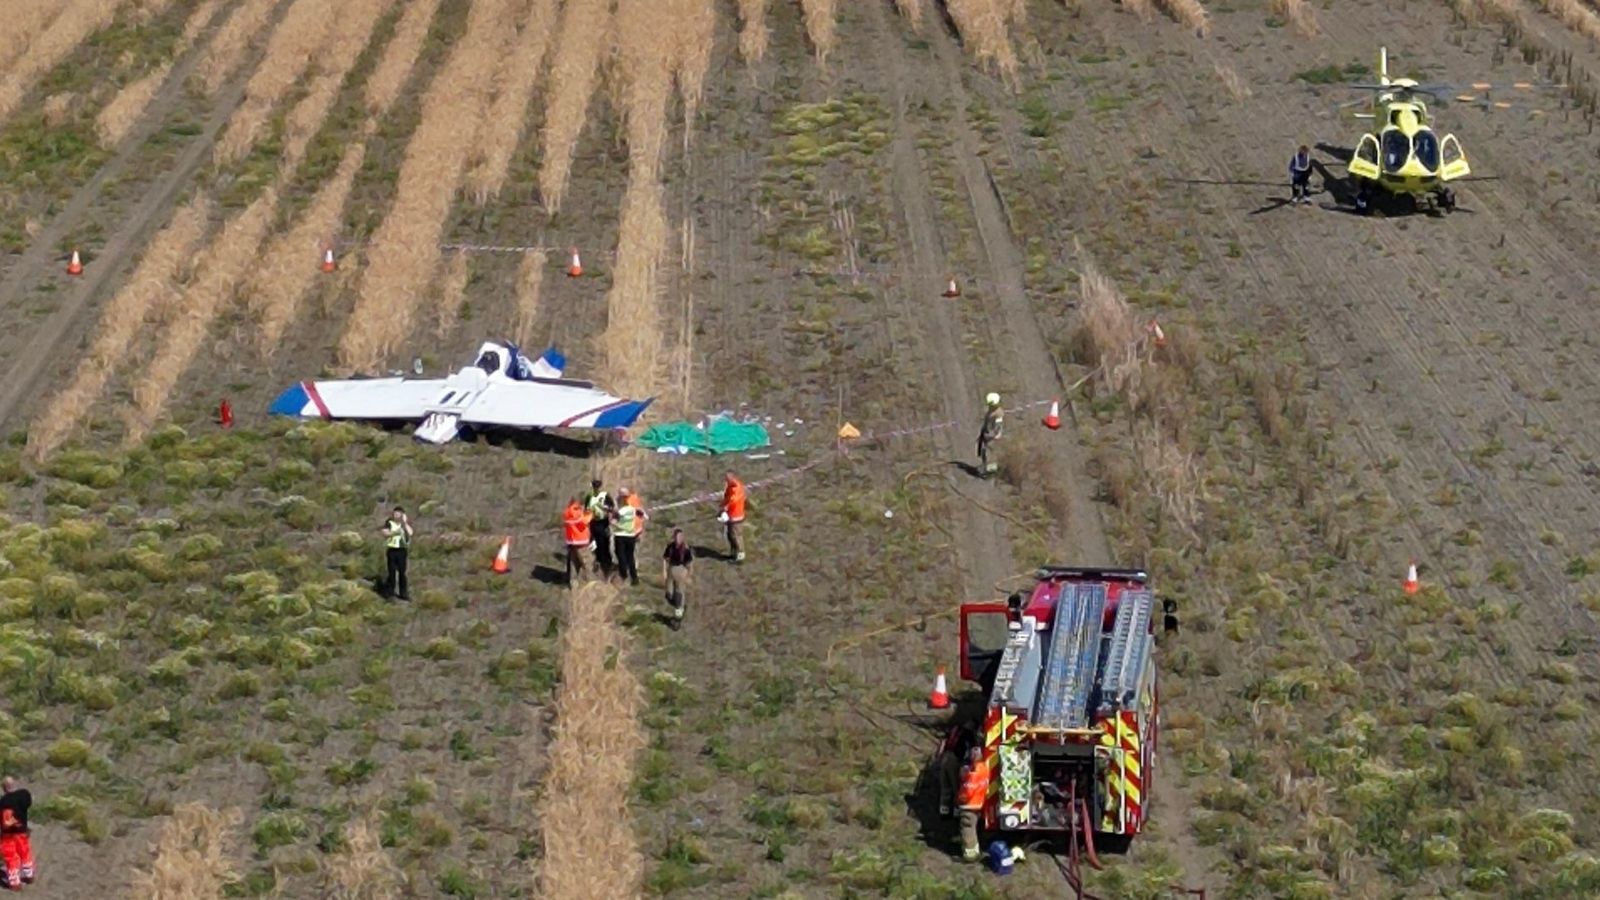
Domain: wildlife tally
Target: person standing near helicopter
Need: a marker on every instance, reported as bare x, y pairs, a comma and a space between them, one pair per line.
1300, 176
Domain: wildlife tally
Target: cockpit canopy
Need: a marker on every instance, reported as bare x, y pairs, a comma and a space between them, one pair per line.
1398, 149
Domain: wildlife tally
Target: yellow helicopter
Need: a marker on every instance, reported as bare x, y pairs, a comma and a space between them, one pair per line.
1404, 157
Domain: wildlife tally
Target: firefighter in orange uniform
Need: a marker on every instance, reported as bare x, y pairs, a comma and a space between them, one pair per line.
15, 847
733, 515
575, 522
974, 793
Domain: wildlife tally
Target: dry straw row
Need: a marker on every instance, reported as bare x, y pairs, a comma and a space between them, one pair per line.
530, 280
1299, 14
358, 19
584, 36
508, 114
298, 38
286, 274
149, 290
1190, 14
695, 29
78, 20
822, 26
405, 247
754, 34
1579, 18
986, 26
24, 19
912, 10
223, 267
231, 44
389, 79
125, 110
195, 856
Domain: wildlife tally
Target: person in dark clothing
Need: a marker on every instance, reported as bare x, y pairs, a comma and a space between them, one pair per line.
600, 507
397, 540
1300, 176
675, 562
16, 849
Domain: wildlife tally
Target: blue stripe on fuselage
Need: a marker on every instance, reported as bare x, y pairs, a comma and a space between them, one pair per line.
622, 416
292, 402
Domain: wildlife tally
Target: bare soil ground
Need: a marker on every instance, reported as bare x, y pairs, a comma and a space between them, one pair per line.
1348, 393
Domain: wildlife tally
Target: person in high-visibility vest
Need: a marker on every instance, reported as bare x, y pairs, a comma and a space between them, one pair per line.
575, 529
973, 795
600, 507
397, 534
629, 523
16, 847
994, 419
637, 502
733, 515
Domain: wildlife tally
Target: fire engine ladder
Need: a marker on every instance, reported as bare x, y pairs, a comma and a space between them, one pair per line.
1063, 701
1128, 651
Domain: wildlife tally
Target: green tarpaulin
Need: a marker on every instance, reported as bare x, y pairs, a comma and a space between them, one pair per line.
721, 435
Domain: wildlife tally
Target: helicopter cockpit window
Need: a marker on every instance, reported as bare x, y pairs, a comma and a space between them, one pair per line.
1396, 150
489, 362
1427, 149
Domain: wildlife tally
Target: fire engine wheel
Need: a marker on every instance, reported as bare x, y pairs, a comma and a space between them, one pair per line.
1447, 200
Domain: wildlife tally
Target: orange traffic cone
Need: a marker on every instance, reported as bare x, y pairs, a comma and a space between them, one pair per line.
502, 560
576, 269
75, 265
1053, 420
1410, 585
940, 698
225, 414
1156, 334
329, 264
953, 290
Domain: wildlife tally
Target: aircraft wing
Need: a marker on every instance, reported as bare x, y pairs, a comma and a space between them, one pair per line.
362, 398
551, 403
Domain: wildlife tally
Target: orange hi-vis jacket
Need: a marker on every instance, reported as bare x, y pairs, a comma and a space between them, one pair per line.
733, 501
974, 786
636, 503
576, 520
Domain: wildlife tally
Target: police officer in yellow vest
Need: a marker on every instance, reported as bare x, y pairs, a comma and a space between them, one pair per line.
629, 521
397, 538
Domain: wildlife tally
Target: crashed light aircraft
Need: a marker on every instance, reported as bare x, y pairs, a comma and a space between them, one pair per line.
502, 389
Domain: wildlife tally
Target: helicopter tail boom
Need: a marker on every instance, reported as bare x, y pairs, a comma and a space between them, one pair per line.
1383, 65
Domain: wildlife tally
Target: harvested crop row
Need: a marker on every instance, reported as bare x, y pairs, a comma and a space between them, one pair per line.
294, 43
287, 272
227, 50
400, 55
912, 10
508, 115
754, 35
358, 19
822, 26
1299, 14
194, 855
225, 265
405, 248
288, 268
597, 733
453, 290
149, 289
1578, 18
1191, 14
24, 19
692, 42
585, 33
986, 25
589, 850
530, 279
128, 106
78, 20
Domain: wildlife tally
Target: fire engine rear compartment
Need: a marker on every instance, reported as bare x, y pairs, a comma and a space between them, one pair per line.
1071, 705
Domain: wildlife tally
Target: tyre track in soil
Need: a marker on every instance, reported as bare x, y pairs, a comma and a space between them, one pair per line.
1015, 331
30, 362
984, 550
1371, 349
1017, 338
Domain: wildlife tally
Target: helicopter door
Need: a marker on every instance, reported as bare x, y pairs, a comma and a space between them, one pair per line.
1452, 162
1364, 162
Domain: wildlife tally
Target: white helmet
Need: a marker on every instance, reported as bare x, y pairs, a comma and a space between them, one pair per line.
993, 399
